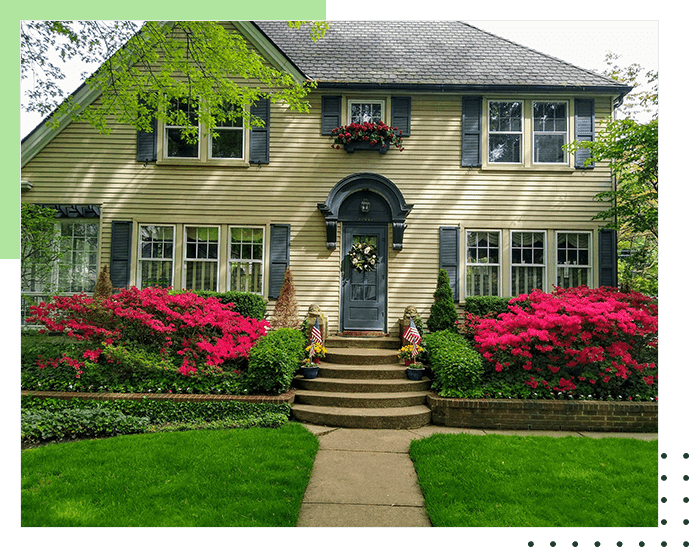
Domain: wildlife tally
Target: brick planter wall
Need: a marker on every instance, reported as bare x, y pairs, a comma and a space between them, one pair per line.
544, 415
287, 397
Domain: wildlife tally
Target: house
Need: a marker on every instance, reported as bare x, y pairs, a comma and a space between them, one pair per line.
482, 188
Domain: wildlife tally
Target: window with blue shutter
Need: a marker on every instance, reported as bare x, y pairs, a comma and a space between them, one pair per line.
471, 131
400, 114
584, 130
279, 257
331, 112
260, 136
607, 258
449, 256
120, 253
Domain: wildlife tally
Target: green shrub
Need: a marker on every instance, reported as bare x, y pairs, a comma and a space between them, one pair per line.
245, 303
273, 362
456, 366
485, 305
443, 312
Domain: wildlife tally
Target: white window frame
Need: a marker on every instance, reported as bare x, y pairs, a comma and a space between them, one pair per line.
351, 102
186, 260
589, 266
520, 133
514, 265
251, 261
140, 259
468, 264
564, 134
166, 140
220, 128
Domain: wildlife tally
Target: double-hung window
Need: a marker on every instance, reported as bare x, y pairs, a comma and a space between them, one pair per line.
201, 259
549, 132
245, 271
175, 145
229, 142
574, 259
482, 263
366, 111
528, 259
505, 131
156, 255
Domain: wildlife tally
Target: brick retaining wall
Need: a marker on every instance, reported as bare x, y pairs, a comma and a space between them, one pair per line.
544, 415
287, 397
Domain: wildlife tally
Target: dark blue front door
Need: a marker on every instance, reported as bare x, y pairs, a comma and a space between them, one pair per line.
364, 294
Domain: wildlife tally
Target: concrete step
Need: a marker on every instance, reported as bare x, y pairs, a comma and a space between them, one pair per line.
362, 372
348, 385
362, 356
410, 417
361, 400
369, 342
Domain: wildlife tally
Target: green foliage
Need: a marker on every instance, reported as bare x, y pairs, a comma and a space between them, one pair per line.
40, 247
443, 312
245, 303
485, 305
66, 419
456, 366
274, 361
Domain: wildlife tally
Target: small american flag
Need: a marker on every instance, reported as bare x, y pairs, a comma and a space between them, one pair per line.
412, 335
316, 337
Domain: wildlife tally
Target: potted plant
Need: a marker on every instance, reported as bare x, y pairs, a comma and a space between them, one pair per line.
406, 353
309, 369
415, 371
367, 136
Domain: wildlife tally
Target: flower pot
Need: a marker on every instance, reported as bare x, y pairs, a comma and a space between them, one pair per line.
351, 147
415, 373
310, 372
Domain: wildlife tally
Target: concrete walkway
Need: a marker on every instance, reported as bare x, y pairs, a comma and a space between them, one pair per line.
365, 478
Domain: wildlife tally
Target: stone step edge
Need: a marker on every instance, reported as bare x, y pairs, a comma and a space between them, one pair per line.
364, 412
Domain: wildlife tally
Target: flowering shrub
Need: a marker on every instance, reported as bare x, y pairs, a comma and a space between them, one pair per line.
372, 133
149, 334
580, 342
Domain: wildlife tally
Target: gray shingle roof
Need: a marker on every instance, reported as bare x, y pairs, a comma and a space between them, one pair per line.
447, 53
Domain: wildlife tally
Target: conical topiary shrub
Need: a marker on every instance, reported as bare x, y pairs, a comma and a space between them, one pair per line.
443, 312
286, 312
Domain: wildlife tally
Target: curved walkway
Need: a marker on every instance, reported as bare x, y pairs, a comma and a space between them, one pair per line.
365, 478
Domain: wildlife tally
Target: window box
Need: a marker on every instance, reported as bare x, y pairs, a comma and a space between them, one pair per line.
381, 146
366, 136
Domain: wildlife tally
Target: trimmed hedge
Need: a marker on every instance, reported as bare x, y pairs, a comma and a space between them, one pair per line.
274, 361
246, 304
65, 419
456, 366
485, 305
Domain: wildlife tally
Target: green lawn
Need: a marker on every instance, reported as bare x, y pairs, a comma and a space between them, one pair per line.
495, 480
238, 477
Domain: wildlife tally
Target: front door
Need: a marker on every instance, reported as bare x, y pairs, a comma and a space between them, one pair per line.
364, 294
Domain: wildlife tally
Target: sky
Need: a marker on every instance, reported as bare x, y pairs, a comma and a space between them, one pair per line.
582, 43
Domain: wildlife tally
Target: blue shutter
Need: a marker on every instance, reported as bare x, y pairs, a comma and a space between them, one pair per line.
147, 141
607, 258
279, 257
400, 114
120, 253
471, 131
449, 256
331, 111
584, 130
260, 136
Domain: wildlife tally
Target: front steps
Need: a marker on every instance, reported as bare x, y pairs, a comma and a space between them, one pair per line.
362, 384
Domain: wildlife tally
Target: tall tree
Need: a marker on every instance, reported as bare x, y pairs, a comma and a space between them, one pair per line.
145, 69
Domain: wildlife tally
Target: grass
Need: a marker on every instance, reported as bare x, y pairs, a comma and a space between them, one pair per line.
248, 477
498, 481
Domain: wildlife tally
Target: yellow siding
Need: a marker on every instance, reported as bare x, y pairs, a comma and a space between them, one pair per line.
83, 167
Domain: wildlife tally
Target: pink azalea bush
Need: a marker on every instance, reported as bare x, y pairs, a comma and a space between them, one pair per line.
576, 342
188, 335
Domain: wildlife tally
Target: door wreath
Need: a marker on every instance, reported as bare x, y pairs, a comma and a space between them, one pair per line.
363, 256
